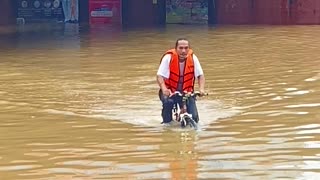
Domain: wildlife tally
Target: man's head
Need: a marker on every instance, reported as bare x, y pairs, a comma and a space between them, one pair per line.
182, 48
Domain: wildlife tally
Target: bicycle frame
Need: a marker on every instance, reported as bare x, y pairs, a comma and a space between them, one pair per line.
180, 113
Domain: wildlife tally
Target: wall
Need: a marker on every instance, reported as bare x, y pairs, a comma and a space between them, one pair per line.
84, 11
7, 15
305, 12
271, 11
234, 11
140, 13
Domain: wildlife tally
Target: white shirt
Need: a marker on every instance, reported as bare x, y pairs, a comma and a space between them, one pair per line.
164, 68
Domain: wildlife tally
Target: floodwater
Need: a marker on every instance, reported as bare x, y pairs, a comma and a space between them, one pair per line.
81, 103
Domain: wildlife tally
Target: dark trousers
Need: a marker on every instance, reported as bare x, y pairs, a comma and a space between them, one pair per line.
167, 105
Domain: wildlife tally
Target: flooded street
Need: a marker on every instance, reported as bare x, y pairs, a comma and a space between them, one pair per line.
85, 105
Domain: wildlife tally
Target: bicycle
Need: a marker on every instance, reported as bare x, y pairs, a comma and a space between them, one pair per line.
179, 112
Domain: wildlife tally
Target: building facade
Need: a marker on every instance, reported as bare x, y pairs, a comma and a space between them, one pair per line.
161, 12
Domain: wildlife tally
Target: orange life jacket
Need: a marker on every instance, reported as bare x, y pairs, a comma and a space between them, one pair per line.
188, 77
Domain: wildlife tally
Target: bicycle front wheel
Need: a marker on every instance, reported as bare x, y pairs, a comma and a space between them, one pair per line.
193, 124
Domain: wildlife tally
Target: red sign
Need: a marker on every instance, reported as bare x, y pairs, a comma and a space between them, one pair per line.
105, 11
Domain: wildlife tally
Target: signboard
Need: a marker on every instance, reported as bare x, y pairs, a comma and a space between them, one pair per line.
187, 11
105, 11
39, 10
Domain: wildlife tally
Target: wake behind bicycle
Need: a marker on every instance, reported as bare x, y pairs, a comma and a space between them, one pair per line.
180, 112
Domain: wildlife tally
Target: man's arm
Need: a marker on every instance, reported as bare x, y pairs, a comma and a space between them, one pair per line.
199, 74
201, 82
164, 72
161, 83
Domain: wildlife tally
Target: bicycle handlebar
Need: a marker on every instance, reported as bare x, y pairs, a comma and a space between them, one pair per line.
196, 93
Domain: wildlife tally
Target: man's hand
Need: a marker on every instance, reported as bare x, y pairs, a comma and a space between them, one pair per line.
202, 92
164, 89
166, 92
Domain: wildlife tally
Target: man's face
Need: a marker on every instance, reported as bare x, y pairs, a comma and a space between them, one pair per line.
182, 49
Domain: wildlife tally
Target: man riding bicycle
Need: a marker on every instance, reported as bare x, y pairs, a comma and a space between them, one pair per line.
178, 70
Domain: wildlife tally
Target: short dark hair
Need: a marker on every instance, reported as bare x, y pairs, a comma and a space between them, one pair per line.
181, 39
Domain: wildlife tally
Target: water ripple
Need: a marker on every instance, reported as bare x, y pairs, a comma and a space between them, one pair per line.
84, 104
